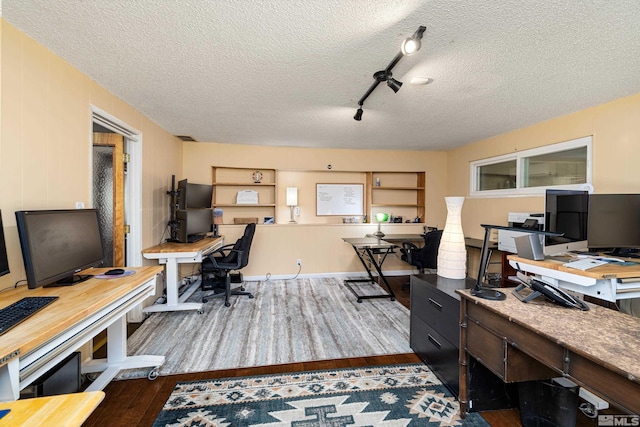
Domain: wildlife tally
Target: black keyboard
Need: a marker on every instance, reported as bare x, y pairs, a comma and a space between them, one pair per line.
19, 311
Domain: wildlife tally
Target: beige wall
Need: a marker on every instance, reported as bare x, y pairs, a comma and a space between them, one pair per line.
615, 127
317, 241
45, 162
45, 136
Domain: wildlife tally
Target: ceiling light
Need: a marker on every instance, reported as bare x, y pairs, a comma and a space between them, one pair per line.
421, 80
409, 46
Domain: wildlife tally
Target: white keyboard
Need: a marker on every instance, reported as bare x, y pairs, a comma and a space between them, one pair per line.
585, 263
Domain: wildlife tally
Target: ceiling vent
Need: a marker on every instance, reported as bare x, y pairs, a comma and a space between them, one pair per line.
186, 138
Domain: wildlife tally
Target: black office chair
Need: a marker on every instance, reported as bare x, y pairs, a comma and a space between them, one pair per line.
221, 262
425, 257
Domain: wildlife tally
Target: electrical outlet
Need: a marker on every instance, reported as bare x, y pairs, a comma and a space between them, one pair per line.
299, 262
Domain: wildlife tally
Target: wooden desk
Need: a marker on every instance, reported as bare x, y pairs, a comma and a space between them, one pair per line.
67, 410
171, 254
596, 349
609, 282
33, 347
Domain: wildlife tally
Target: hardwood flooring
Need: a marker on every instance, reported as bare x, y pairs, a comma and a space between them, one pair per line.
138, 402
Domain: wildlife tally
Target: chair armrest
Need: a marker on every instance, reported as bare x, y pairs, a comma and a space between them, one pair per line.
227, 265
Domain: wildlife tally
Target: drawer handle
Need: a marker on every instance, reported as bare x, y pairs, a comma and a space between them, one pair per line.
436, 304
434, 341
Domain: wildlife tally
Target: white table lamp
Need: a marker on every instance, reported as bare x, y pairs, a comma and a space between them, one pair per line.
292, 201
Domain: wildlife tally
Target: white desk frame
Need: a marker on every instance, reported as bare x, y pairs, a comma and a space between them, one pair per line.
606, 288
23, 369
171, 260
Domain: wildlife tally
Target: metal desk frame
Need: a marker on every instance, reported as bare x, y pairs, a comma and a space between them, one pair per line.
367, 248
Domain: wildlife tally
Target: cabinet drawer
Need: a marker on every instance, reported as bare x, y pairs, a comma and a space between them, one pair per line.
537, 346
506, 361
437, 309
436, 351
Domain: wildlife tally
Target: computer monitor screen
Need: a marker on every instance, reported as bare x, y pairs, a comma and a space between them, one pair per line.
566, 212
57, 244
4, 260
614, 222
194, 196
193, 224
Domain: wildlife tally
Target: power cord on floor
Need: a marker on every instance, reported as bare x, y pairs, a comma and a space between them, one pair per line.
268, 275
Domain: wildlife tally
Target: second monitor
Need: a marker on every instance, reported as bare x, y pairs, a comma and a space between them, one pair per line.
193, 224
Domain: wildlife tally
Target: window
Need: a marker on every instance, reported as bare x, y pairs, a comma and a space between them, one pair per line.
566, 165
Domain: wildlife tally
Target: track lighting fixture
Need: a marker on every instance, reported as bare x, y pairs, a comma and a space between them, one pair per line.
409, 46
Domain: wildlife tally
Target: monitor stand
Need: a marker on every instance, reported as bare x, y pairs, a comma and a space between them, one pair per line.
69, 281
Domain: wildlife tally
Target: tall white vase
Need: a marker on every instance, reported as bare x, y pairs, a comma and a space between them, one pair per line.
452, 253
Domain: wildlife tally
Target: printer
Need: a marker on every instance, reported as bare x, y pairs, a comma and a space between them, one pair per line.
524, 220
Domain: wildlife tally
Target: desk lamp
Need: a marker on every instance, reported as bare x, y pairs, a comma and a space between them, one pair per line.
489, 293
380, 218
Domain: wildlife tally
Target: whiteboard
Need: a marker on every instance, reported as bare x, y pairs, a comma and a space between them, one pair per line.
339, 199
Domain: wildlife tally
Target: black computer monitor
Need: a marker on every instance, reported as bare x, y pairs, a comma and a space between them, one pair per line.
566, 212
614, 222
194, 196
57, 244
4, 260
193, 224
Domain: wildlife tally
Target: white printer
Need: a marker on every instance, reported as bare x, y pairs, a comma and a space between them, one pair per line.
524, 220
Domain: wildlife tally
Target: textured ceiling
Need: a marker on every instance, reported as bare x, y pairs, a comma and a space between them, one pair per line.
290, 72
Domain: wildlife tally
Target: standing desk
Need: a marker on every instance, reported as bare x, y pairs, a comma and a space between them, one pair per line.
367, 249
82, 311
596, 349
609, 282
171, 254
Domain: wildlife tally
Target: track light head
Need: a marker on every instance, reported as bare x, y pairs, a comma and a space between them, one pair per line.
394, 84
358, 115
412, 44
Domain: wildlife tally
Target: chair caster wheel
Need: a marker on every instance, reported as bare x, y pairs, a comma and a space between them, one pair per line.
201, 311
91, 376
227, 304
153, 374
251, 296
204, 300
393, 299
359, 300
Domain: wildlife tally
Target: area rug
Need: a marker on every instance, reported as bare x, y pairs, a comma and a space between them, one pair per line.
287, 321
385, 396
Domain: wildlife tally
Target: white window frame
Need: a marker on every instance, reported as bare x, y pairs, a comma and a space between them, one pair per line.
520, 157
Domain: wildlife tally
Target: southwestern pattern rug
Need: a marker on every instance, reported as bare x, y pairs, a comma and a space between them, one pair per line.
287, 321
385, 396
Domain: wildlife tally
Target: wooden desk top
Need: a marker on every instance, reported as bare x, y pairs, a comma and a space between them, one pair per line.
171, 247
61, 410
606, 336
607, 271
74, 304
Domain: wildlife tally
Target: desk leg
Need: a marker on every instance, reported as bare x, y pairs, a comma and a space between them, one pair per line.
10, 380
173, 284
371, 279
117, 358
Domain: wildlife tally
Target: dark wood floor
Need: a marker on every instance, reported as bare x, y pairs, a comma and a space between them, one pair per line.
138, 402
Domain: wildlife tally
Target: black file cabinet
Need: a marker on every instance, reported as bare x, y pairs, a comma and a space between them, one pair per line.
435, 338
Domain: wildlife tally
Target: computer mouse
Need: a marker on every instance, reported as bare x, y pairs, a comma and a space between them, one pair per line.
114, 272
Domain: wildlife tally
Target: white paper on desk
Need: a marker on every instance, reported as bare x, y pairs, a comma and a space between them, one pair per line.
247, 197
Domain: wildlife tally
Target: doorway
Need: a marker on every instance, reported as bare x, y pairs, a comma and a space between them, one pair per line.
109, 168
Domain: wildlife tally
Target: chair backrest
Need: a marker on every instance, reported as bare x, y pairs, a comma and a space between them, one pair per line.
429, 252
245, 243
